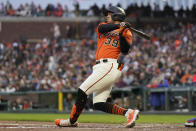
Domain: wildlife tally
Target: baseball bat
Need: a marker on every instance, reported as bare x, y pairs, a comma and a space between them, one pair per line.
140, 33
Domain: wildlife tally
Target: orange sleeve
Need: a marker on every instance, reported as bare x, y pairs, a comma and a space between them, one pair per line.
128, 35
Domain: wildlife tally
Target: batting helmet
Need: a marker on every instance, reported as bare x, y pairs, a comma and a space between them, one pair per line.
118, 14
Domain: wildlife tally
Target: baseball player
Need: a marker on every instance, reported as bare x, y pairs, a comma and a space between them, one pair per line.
113, 42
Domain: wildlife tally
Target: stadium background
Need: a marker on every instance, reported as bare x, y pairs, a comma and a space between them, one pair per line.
47, 51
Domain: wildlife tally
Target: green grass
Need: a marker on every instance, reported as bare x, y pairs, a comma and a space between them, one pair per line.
96, 118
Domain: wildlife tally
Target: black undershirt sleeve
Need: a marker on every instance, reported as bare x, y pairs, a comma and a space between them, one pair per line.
124, 45
104, 28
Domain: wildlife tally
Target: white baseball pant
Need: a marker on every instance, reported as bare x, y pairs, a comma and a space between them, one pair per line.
101, 80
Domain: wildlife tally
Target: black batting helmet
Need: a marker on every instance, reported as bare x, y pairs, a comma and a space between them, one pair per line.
118, 14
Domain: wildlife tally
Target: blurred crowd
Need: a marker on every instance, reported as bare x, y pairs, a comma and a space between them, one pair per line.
51, 64
59, 10
168, 59
45, 65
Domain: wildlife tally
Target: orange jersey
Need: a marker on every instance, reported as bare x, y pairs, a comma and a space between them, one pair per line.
108, 44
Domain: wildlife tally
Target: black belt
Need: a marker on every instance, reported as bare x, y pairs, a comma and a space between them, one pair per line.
104, 61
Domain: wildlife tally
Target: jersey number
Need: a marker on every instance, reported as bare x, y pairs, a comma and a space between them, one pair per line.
114, 42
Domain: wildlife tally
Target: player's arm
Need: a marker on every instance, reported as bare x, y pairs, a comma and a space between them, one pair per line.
104, 28
125, 44
125, 41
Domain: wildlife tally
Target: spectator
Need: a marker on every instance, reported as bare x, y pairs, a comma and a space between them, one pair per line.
3, 104
34, 11
68, 102
10, 88
2, 9
56, 31
17, 104
58, 11
52, 64
66, 11
49, 10
128, 78
27, 104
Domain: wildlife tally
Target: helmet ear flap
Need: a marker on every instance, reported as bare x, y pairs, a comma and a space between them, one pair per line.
118, 17
114, 17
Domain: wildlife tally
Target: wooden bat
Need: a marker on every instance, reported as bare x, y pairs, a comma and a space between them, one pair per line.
140, 33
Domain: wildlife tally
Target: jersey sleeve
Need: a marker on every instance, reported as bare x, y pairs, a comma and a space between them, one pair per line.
128, 36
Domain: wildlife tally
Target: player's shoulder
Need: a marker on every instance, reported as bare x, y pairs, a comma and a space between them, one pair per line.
99, 25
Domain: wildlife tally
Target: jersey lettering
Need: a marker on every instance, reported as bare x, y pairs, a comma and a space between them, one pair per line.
108, 44
114, 42
109, 39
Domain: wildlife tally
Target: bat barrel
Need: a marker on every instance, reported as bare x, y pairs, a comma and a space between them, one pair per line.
140, 33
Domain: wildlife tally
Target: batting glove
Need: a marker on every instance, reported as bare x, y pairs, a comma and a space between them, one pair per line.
125, 24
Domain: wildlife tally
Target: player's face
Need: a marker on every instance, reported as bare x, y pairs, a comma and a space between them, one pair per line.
109, 18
